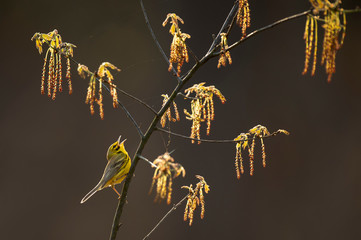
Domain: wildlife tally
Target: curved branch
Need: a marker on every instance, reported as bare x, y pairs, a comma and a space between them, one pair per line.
357, 9
137, 99
186, 97
227, 23
166, 215
213, 141
147, 160
195, 139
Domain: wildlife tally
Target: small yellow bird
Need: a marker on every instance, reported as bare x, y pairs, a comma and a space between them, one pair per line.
116, 170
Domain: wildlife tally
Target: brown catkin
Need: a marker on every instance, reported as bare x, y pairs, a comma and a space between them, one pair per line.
201, 197
241, 161
50, 74
307, 49
60, 74
176, 111
68, 75
236, 163
263, 153
42, 87
100, 101
251, 157
169, 197
55, 80
315, 49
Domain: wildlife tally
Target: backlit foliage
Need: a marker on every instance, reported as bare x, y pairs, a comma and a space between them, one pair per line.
243, 16
164, 174
195, 197
167, 114
56, 48
248, 140
225, 54
202, 107
102, 75
178, 48
334, 19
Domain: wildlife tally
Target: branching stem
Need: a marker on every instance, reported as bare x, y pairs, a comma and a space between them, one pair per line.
181, 82
166, 215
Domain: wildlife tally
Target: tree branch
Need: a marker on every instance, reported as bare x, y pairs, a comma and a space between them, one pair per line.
195, 139
137, 99
185, 96
166, 215
227, 22
147, 160
213, 141
357, 9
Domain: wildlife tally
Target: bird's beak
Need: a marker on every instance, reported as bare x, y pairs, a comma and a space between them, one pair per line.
123, 141
119, 138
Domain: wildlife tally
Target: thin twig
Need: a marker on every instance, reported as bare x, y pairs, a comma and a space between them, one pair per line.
357, 9
193, 54
226, 23
213, 141
185, 96
145, 159
201, 140
230, 26
127, 113
165, 216
156, 41
137, 99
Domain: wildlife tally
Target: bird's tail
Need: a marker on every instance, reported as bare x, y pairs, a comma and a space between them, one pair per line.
91, 193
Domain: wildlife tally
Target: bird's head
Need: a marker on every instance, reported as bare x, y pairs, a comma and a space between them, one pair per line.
116, 148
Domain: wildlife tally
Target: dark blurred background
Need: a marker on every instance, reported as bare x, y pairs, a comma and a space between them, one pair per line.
53, 152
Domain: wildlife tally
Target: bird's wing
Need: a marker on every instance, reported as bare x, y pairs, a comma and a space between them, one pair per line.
115, 165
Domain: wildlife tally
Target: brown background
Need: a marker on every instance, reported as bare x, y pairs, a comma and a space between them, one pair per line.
53, 152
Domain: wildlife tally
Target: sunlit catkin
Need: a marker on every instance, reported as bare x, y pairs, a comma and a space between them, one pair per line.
194, 198
202, 107
310, 36
243, 16
68, 76
242, 142
164, 174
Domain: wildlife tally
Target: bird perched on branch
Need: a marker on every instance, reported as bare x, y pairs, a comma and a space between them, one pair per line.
116, 170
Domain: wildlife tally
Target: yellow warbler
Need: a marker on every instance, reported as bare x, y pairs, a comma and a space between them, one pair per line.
116, 170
